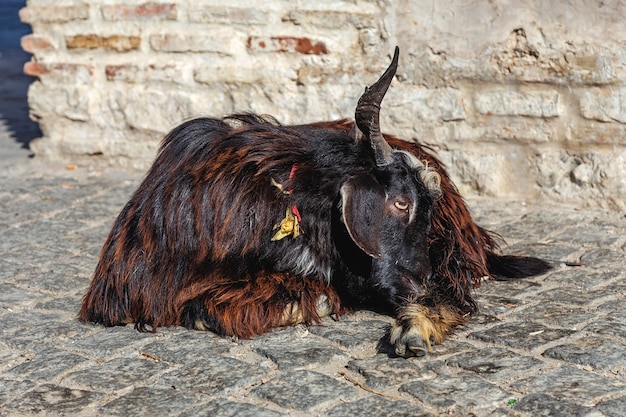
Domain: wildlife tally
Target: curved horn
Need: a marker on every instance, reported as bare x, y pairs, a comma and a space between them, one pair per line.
368, 110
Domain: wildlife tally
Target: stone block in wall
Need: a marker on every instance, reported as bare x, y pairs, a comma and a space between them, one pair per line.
332, 19
60, 73
69, 142
151, 110
34, 44
473, 132
491, 169
150, 10
116, 43
228, 15
604, 104
54, 13
71, 103
302, 45
544, 103
589, 133
179, 42
596, 175
131, 73
407, 104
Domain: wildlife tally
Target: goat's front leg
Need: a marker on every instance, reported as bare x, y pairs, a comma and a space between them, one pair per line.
418, 326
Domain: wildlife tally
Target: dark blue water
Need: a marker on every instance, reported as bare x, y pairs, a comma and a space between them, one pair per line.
13, 83
11, 29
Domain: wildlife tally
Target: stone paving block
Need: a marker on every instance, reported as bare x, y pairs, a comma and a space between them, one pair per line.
145, 401
55, 278
567, 317
513, 288
221, 407
572, 384
116, 374
15, 323
293, 348
38, 254
570, 296
108, 341
377, 406
67, 304
46, 335
13, 297
615, 407
545, 405
495, 364
498, 305
304, 390
579, 277
613, 308
454, 344
213, 376
46, 365
525, 335
9, 357
64, 401
464, 391
604, 258
361, 329
591, 234
381, 371
611, 325
13, 239
597, 352
41, 335
185, 346
536, 226
51, 239
10, 389
554, 252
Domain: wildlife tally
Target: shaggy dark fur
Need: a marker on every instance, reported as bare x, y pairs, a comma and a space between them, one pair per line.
243, 224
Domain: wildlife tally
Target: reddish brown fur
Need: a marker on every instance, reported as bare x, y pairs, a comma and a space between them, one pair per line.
254, 307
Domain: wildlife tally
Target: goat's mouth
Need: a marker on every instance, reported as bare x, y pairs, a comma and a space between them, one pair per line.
412, 281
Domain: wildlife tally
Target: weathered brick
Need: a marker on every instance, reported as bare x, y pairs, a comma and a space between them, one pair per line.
595, 132
31, 43
189, 43
231, 73
116, 43
138, 73
286, 44
151, 110
49, 14
166, 11
332, 19
411, 103
605, 105
228, 15
59, 72
512, 103
35, 69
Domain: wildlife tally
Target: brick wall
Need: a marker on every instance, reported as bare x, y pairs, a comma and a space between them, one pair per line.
519, 100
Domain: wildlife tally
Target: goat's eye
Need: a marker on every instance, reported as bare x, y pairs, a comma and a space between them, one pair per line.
401, 205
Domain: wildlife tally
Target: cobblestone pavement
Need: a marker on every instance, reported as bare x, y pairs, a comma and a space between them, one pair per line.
554, 345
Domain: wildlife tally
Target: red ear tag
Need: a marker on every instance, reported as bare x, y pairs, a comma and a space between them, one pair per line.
290, 225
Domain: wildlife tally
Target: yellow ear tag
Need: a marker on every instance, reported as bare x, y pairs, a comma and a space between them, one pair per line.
288, 226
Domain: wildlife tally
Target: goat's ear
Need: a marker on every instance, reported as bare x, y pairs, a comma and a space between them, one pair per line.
363, 202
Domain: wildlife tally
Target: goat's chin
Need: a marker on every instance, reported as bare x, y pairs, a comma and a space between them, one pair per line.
412, 288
